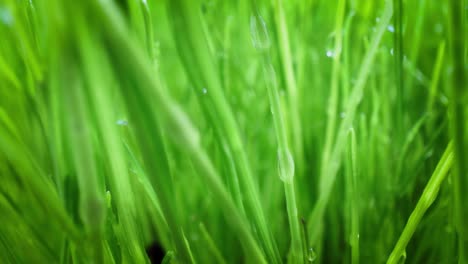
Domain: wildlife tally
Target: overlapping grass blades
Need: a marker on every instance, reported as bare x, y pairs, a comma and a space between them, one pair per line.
233, 131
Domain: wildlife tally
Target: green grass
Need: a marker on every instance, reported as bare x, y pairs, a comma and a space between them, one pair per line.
233, 131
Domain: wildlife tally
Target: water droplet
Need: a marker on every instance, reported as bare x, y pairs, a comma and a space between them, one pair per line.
5, 16
108, 199
204, 90
122, 122
311, 255
285, 165
259, 33
330, 54
392, 51
342, 115
391, 28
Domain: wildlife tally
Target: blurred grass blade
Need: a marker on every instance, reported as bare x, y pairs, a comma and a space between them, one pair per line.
425, 201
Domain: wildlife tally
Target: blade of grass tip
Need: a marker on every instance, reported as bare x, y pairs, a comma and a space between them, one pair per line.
291, 85
8, 75
115, 235
410, 137
330, 171
285, 159
29, 56
211, 245
459, 109
189, 250
353, 198
146, 92
333, 96
194, 52
148, 30
416, 36
8, 125
435, 80
309, 253
31, 15
425, 201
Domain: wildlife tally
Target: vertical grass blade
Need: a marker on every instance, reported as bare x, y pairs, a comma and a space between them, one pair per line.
459, 113
196, 56
353, 197
290, 79
331, 169
425, 201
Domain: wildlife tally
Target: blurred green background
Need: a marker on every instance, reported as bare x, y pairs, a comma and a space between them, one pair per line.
275, 131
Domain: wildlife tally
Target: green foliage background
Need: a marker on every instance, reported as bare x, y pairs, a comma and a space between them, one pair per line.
243, 131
